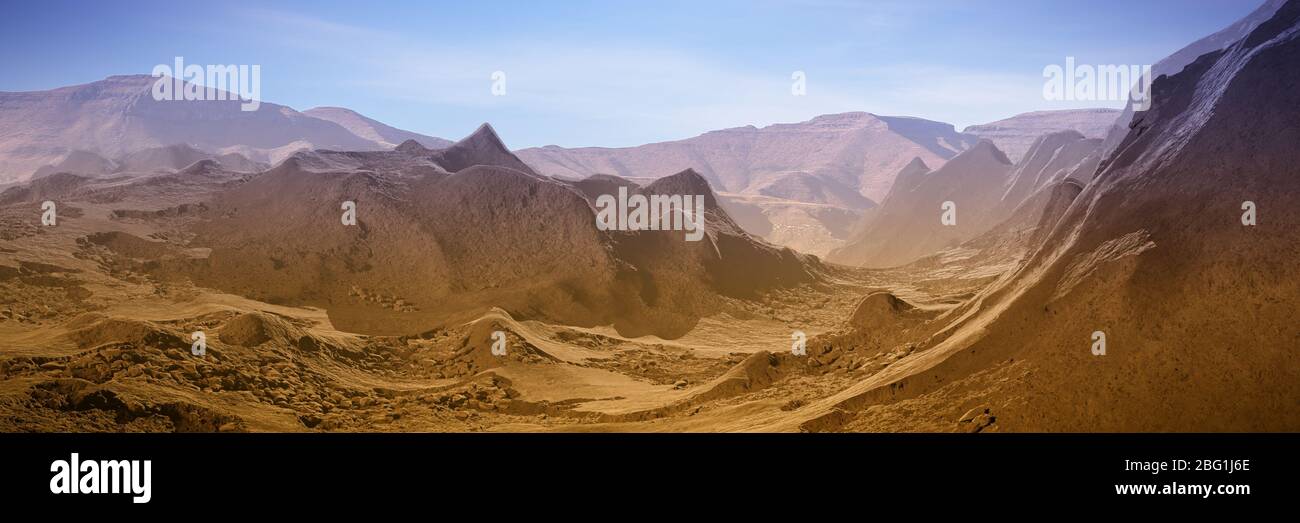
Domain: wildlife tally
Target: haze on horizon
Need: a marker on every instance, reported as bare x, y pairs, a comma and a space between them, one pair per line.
593, 74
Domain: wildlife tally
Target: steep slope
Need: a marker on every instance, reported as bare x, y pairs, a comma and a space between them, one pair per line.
372, 129
903, 181
1197, 308
482, 147
1175, 62
1017, 134
730, 260
858, 150
908, 223
997, 215
1050, 159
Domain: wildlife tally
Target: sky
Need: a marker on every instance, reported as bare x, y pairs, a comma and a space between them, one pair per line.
613, 73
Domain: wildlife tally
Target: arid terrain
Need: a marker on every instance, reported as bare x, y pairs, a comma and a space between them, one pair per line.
826, 293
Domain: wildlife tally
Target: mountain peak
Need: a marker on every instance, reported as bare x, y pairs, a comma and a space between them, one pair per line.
204, 166
1284, 18
482, 147
916, 166
484, 138
411, 146
689, 176
1053, 140
985, 149
485, 132
685, 182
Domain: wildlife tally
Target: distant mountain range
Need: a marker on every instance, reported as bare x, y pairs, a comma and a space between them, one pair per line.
1015, 135
803, 185
849, 152
806, 185
118, 116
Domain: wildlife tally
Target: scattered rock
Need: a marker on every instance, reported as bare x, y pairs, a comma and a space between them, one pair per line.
977, 419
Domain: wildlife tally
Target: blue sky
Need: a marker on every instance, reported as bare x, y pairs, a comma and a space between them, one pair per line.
610, 72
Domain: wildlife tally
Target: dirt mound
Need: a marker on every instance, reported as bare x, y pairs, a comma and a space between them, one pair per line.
255, 328
167, 158
482, 336
877, 306
204, 167
412, 147
56, 186
755, 372
94, 331
104, 407
79, 162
